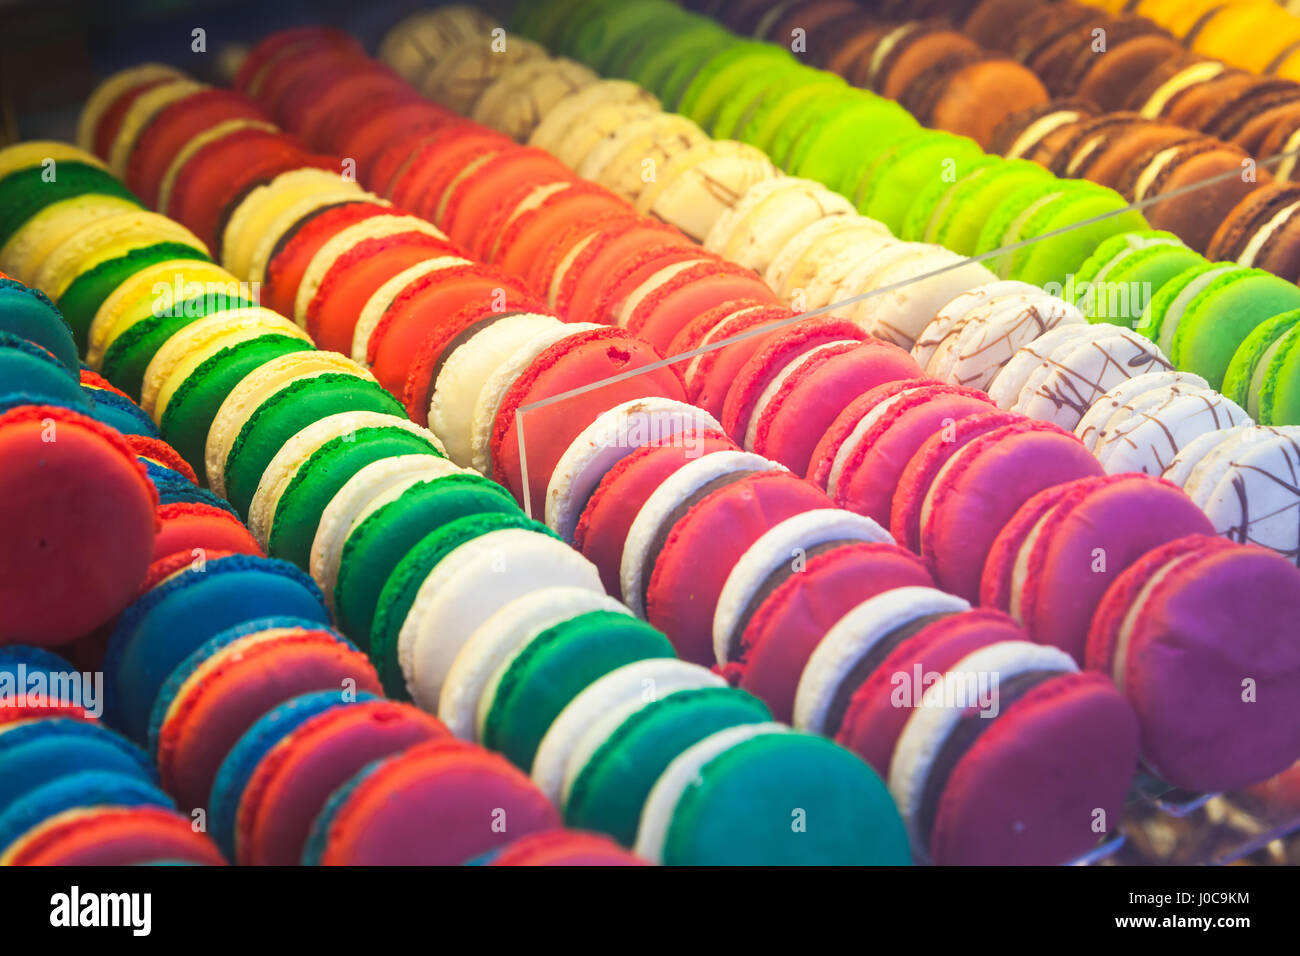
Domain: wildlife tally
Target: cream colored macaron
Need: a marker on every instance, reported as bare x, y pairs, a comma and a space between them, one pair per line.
469, 67
632, 157
695, 187
522, 94
254, 389
615, 98
425, 37
467, 368
175, 359
151, 292
372, 228
252, 218
755, 230
29, 247
103, 97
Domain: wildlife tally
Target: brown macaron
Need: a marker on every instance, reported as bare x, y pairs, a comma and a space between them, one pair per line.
844, 46
1202, 180
991, 22
1040, 132
971, 95
1283, 141
1152, 95
1106, 156
779, 23
1196, 105
1248, 119
910, 51
1263, 231
1110, 78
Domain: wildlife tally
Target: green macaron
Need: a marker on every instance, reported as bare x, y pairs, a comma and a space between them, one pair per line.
760, 795
749, 95
25, 192
665, 70
86, 293
600, 35
830, 148
190, 411
553, 668
774, 115
403, 585
959, 219
716, 80
1063, 232
1125, 272
609, 791
126, 359
1249, 369
1218, 319
1160, 318
1279, 380
886, 192
375, 546
922, 211
287, 412
318, 479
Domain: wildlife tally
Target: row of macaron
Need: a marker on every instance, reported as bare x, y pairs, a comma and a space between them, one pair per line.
806, 119
1118, 281
124, 656
1070, 388
226, 693
1260, 37
792, 229
1119, 757
1192, 120
671, 630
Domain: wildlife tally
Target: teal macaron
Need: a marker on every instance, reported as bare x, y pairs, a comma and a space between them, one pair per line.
760, 794
609, 791
34, 374
36, 752
89, 788
29, 314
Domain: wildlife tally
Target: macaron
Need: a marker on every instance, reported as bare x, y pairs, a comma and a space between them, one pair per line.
1055, 559
36, 752
383, 815
1179, 602
564, 848
113, 836
612, 770
1261, 373
32, 375
186, 408
165, 625
541, 678
609, 439
602, 357
57, 585
88, 788
861, 457
1035, 782
791, 777
1111, 284
195, 528
391, 524
29, 314
972, 498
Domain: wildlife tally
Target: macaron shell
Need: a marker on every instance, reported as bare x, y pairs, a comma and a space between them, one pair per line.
565, 848
702, 547
981, 487
294, 780
57, 585
425, 806
788, 625
209, 716
113, 836
994, 809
